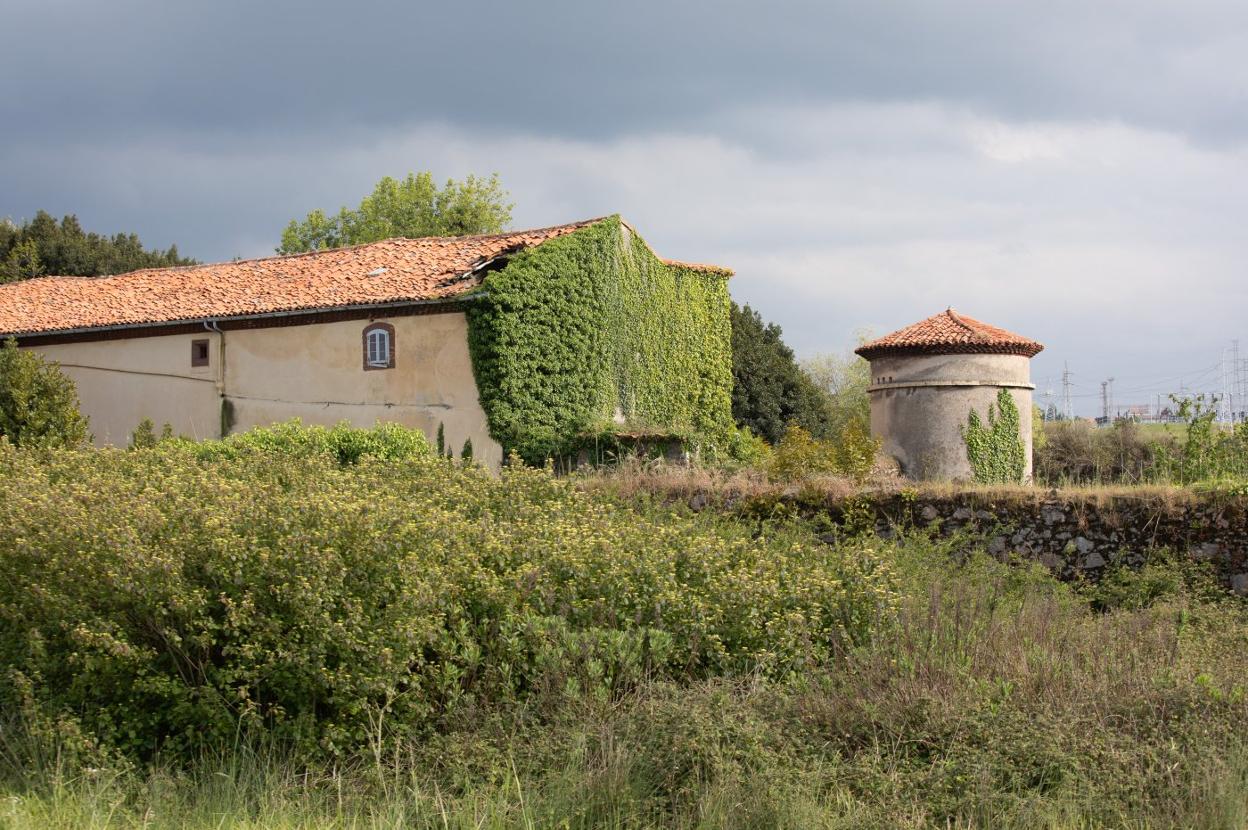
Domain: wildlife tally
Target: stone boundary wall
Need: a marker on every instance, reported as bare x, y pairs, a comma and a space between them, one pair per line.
1073, 534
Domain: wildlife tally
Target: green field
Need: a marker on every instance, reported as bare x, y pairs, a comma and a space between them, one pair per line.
268, 639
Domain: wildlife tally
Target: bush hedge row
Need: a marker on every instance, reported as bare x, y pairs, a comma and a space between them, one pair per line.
163, 599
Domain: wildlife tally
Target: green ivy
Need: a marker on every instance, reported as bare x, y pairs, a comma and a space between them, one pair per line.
996, 452
592, 332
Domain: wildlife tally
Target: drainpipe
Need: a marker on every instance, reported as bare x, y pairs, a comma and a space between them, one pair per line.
211, 325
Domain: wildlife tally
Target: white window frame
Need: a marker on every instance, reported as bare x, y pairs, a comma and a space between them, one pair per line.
378, 347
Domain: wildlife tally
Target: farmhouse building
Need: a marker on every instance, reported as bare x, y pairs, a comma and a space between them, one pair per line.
529, 340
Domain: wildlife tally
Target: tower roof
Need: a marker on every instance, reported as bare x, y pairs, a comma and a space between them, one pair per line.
950, 333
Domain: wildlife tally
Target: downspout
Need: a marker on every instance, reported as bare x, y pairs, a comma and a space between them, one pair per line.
227, 408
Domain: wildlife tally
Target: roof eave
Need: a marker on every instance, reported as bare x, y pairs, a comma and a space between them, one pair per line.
1028, 350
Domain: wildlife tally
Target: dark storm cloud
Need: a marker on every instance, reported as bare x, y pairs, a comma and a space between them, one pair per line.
570, 67
1073, 170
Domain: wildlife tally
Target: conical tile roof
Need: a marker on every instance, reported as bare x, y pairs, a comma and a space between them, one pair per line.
950, 333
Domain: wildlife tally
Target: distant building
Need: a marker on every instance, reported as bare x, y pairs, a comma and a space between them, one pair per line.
927, 378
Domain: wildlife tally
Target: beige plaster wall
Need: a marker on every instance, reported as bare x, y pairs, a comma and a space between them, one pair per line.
313, 372
316, 373
919, 406
997, 369
121, 382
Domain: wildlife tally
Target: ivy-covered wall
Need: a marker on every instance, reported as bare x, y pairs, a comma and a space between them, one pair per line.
996, 452
590, 333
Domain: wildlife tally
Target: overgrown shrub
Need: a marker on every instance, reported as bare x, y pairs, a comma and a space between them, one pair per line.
145, 437
1163, 576
343, 442
1078, 452
745, 449
1208, 452
38, 403
165, 599
799, 455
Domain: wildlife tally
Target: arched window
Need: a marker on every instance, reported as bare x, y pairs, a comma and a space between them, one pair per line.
379, 346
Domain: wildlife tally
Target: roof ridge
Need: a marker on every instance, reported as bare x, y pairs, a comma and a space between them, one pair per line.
953, 315
965, 323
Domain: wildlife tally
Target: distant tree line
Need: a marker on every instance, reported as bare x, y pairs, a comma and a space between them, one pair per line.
44, 246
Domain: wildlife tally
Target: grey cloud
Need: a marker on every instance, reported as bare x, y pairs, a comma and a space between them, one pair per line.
567, 67
1075, 171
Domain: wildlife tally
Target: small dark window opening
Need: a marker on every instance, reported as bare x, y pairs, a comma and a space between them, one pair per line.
199, 352
378, 347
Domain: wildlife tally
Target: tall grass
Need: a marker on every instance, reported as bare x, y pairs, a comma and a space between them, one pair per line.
998, 698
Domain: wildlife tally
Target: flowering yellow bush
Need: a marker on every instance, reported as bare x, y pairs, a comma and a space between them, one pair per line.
799, 455
165, 599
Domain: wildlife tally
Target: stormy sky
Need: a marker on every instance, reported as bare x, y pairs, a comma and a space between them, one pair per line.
1073, 171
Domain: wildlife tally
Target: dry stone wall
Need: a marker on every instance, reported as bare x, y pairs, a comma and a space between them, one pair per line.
1072, 535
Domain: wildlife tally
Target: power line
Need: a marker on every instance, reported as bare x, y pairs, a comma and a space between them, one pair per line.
1189, 380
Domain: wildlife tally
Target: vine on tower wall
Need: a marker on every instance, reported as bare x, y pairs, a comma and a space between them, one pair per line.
996, 452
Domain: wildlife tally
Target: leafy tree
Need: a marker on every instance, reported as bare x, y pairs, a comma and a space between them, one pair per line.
1039, 438
846, 381
45, 246
1207, 452
38, 403
22, 263
413, 207
770, 391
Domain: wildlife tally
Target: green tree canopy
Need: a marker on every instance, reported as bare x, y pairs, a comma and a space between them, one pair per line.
413, 207
38, 403
45, 246
770, 390
846, 380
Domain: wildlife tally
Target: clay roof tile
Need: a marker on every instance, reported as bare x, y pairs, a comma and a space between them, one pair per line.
389, 271
950, 333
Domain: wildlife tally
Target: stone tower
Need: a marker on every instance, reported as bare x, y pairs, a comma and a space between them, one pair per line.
926, 379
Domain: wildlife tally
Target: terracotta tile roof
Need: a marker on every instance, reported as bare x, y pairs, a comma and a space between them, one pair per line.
394, 270
950, 333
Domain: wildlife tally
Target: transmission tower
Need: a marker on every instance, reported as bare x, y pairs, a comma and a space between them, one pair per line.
1241, 386
1068, 411
1107, 399
1236, 391
1225, 405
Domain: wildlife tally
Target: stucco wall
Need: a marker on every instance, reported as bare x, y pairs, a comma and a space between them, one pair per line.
313, 372
121, 382
920, 404
316, 373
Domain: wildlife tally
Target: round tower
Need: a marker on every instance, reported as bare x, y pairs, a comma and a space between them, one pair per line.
927, 378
